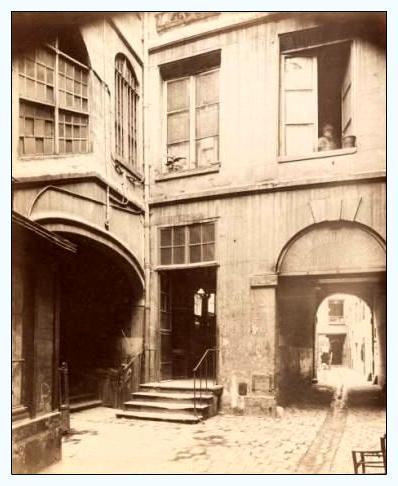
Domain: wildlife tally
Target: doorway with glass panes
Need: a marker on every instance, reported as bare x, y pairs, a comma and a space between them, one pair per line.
187, 320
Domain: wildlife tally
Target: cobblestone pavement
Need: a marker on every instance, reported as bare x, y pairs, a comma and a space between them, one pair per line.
305, 440
223, 444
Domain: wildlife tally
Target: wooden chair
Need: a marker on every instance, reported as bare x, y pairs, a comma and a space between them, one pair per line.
371, 459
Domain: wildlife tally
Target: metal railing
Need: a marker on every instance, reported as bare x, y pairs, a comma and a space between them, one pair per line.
204, 373
64, 397
129, 378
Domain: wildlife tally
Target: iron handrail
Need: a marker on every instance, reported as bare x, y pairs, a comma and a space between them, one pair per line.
203, 366
123, 374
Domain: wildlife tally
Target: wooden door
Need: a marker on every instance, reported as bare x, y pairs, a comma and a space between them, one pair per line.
166, 357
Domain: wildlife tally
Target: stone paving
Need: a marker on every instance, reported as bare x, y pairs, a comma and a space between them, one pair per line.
223, 444
306, 439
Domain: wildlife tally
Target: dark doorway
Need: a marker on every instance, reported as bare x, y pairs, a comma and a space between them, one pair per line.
336, 347
188, 319
96, 308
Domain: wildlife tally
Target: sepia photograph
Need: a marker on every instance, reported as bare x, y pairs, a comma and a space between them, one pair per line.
198, 242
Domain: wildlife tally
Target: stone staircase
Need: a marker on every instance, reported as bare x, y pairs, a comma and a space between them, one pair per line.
172, 401
83, 401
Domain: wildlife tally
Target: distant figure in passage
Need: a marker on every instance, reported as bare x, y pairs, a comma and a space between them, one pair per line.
326, 357
328, 140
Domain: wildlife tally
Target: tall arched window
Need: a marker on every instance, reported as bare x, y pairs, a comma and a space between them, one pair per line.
126, 100
53, 98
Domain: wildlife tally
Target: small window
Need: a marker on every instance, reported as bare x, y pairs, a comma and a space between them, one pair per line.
336, 310
187, 244
316, 100
192, 120
126, 101
40, 103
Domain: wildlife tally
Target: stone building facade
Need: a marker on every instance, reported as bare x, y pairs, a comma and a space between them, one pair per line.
188, 157
245, 201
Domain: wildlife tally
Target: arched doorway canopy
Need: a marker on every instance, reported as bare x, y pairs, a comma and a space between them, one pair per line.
333, 248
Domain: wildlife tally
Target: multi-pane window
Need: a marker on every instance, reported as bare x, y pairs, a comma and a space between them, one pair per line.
18, 355
187, 244
53, 103
336, 310
192, 112
316, 93
126, 101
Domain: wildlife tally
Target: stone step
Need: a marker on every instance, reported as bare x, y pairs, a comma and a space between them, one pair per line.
171, 386
171, 407
82, 397
175, 396
160, 416
84, 405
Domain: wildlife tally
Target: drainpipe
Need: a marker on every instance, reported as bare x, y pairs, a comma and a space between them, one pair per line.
147, 246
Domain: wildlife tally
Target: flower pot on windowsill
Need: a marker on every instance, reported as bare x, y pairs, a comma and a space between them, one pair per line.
349, 141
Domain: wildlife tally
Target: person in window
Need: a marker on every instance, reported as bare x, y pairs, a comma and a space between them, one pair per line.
328, 139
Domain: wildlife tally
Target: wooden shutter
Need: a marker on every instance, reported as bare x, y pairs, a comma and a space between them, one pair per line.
346, 100
299, 114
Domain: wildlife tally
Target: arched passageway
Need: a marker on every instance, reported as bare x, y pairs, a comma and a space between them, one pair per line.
325, 259
101, 319
345, 341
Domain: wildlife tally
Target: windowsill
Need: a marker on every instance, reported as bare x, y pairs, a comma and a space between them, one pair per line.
186, 265
189, 172
317, 155
131, 172
27, 158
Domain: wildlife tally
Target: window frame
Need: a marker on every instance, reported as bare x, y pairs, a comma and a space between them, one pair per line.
282, 54
130, 162
187, 245
56, 105
192, 163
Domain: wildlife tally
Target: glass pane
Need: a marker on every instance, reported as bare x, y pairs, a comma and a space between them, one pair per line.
165, 256
30, 146
207, 88
165, 237
299, 72
39, 146
195, 233
208, 232
48, 129
207, 151
208, 252
48, 146
178, 156
29, 126
50, 76
179, 236
299, 139
177, 127
39, 128
41, 73
179, 254
178, 94
207, 121
194, 254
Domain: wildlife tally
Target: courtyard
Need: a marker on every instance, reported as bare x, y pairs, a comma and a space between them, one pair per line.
304, 439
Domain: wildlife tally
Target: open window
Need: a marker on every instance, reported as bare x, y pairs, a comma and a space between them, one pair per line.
316, 99
191, 104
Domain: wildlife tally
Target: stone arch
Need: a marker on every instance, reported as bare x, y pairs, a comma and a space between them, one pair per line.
123, 255
334, 247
